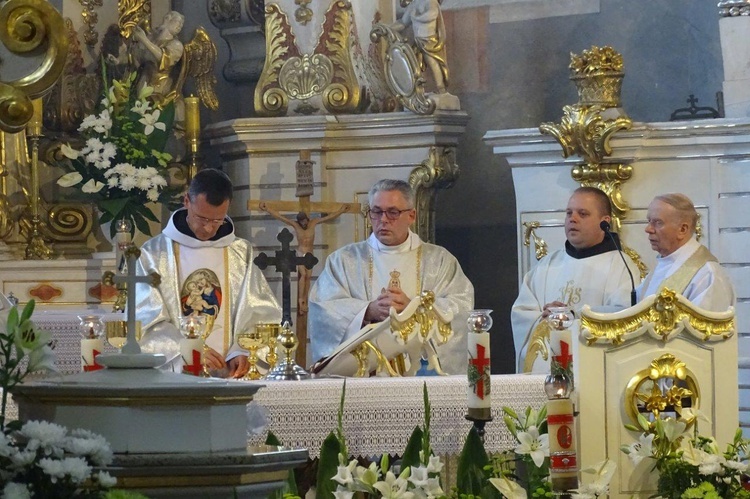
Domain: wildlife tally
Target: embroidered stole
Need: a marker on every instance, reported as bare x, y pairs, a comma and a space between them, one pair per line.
680, 279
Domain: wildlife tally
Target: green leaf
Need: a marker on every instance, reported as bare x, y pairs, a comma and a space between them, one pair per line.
12, 322
510, 412
272, 439
470, 471
328, 466
27, 311
411, 453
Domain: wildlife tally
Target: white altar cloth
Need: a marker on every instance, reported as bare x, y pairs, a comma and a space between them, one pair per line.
381, 413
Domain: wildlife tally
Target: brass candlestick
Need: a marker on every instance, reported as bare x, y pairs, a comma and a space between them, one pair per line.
37, 248
192, 134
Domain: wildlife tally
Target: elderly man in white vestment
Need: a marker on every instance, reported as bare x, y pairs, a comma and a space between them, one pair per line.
362, 281
205, 270
588, 271
683, 264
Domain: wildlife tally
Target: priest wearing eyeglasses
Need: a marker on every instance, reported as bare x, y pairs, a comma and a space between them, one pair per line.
362, 281
205, 270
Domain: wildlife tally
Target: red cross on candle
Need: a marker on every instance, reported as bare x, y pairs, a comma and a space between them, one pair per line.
481, 363
94, 366
196, 367
565, 358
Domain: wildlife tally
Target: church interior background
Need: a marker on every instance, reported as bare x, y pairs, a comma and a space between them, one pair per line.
509, 66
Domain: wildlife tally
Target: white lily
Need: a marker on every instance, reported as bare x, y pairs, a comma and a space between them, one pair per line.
534, 444
602, 474
69, 179
419, 476
69, 152
150, 121
640, 449
673, 429
92, 186
694, 414
435, 465
508, 488
393, 487
343, 475
343, 493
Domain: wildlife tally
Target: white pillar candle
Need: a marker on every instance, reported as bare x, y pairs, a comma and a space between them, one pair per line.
479, 373
90, 348
563, 465
191, 351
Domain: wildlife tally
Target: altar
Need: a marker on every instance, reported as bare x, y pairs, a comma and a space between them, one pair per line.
381, 413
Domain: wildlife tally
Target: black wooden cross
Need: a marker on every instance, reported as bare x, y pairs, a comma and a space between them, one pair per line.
286, 262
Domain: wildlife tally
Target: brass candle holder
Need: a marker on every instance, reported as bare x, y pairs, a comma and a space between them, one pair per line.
192, 134
37, 248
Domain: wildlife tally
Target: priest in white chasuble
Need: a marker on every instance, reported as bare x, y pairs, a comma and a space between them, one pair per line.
362, 281
588, 271
206, 270
683, 264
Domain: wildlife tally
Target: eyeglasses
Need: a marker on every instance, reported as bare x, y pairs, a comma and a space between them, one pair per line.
390, 214
209, 221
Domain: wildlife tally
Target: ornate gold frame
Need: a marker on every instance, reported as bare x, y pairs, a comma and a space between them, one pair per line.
438, 171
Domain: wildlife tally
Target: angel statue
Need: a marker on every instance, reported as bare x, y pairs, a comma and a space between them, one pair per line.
164, 63
428, 27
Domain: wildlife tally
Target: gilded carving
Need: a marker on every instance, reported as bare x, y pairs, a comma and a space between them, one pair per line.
586, 127
663, 316
90, 18
25, 27
538, 346
403, 72
540, 245
341, 94
424, 317
438, 171
667, 385
303, 77
131, 14
69, 221
303, 15
636, 258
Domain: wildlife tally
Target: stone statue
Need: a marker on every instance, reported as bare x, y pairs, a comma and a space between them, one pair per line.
304, 229
426, 20
157, 55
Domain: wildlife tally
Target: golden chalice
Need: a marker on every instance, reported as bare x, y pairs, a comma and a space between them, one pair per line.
251, 341
269, 331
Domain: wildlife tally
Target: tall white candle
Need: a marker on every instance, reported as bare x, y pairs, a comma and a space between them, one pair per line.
90, 348
479, 372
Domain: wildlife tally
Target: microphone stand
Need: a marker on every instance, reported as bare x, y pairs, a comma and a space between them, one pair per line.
605, 227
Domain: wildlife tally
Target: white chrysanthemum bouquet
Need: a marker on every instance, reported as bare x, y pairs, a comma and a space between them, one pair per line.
122, 164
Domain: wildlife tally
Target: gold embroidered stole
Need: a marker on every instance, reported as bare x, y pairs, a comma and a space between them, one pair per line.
680, 279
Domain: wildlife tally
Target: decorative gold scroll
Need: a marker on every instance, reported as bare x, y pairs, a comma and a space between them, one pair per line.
663, 316
438, 171
90, 18
586, 127
25, 27
540, 245
131, 14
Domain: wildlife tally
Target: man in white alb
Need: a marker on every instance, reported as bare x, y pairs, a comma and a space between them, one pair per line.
206, 270
683, 264
362, 281
588, 271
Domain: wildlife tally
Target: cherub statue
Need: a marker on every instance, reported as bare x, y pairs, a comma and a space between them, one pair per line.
165, 63
426, 21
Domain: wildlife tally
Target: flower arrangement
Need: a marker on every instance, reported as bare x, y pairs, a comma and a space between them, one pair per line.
40, 459
417, 477
122, 165
690, 465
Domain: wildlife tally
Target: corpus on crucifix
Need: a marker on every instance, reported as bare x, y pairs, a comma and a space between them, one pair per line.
304, 223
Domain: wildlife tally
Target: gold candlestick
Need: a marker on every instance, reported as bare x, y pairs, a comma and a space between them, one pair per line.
37, 248
192, 133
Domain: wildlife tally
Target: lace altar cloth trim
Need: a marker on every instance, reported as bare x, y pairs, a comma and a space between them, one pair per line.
381, 413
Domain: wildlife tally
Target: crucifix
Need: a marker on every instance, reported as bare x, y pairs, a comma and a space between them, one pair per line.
132, 253
286, 261
304, 227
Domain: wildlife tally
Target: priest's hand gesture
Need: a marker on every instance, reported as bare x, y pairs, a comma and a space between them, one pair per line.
214, 360
379, 308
